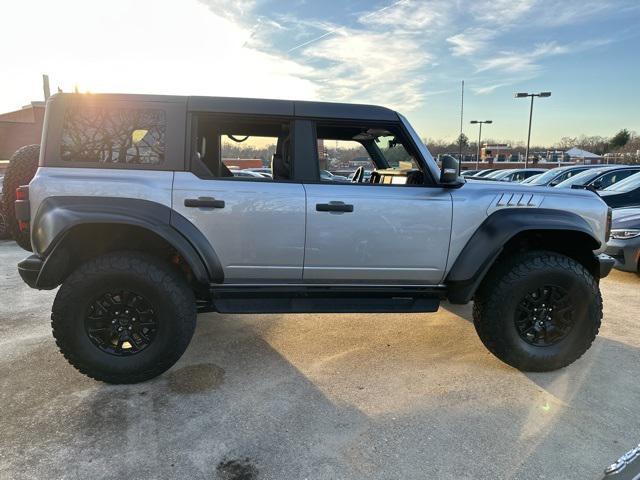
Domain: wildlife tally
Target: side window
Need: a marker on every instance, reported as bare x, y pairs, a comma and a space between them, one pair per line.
366, 154
339, 159
243, 149
113, 135
614, 177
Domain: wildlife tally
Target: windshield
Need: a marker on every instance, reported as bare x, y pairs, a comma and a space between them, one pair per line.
422, 148
626, 185
531, 178
546, 177
581, 178
500, 174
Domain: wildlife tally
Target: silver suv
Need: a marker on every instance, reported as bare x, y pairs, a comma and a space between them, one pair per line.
136, 212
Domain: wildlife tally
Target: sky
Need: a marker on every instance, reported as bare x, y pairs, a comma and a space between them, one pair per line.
410, 55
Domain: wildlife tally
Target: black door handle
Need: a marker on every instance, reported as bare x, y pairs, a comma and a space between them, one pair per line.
334, 207
203, 202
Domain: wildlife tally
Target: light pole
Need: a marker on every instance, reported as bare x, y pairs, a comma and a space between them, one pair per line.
532, 95
480, 122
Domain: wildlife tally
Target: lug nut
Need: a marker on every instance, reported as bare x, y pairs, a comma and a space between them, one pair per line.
119, 329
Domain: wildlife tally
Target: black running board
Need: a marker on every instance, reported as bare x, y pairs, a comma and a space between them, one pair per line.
311, 299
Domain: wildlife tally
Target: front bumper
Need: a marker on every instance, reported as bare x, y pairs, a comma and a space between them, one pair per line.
29, 269
606, 264
625, 253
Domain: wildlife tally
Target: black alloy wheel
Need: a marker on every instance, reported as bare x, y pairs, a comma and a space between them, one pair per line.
121, 323
545, 316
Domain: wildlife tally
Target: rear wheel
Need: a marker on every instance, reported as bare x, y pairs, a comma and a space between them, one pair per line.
4, 233
538, 311
124, 317
22, 167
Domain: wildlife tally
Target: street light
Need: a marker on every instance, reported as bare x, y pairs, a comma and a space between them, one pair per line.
480, 122
532, 95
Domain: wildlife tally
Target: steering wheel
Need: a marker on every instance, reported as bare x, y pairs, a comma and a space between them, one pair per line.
358, 175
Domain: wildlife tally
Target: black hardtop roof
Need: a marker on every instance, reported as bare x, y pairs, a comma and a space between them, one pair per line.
248, 106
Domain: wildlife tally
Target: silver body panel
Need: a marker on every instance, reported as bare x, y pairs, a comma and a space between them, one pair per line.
395, 234
476, 200
258, 235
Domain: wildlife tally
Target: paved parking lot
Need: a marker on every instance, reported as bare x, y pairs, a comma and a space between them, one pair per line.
318, 397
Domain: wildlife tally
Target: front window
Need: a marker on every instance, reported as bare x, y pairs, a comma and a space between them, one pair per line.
366, 154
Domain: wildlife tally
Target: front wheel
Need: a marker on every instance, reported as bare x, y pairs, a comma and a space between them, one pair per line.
124, 317
538, 311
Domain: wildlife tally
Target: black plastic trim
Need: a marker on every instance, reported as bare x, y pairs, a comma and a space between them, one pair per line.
29, 269
321, 299
486, 244
58, 215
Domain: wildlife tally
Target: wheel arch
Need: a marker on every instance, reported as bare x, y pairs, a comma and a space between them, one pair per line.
70, 230
511, 230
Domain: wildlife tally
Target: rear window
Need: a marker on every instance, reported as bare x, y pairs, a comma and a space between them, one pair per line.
113, 136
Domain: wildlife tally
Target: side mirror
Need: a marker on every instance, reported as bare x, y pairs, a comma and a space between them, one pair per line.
449, 170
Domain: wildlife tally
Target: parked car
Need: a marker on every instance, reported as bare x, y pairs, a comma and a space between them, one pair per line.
247, 174
517, 174
499, 171
599, 178
623, 194
264, 171
330, 177
139, 241
531, 178
554, 176
484, 173
624, 243
467, 173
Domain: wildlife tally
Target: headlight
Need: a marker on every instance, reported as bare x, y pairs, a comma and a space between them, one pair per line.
624, 234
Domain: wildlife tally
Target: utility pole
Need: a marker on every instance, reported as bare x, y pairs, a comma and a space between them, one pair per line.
45, 87
532, 95
480, 122
461, 120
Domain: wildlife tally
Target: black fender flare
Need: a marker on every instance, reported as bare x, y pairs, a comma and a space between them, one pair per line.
487, 242
57, 216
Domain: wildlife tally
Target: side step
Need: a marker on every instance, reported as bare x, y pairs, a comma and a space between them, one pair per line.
321, 299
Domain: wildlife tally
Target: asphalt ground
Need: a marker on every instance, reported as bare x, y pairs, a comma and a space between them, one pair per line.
318, 397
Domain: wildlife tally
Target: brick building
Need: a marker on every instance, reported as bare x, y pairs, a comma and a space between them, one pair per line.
20, 128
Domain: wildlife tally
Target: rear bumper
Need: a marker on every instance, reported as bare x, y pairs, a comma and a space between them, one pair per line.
30, 268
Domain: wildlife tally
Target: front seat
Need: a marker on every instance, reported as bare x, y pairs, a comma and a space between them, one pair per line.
281, 161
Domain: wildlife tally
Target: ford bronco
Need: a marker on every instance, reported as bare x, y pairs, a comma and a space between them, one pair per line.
136, 213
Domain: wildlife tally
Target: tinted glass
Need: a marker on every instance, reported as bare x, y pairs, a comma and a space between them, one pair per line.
614, 177
626, 185
113, 135
581, 178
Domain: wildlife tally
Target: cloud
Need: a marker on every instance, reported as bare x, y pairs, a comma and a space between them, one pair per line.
500, 11
355, 68
488, 88
410, 15
470, 41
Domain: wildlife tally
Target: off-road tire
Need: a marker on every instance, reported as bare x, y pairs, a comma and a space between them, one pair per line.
509, 282
4, 233
165, 289
22, 167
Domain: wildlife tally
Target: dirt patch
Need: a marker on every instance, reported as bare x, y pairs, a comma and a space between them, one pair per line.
196, 378
237, 470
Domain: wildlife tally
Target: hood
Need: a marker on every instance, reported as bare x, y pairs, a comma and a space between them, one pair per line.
628, 219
